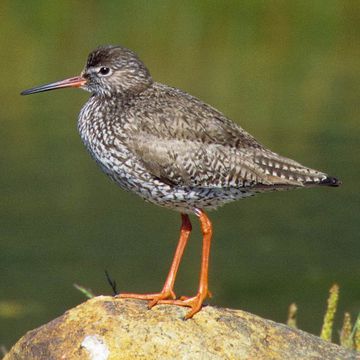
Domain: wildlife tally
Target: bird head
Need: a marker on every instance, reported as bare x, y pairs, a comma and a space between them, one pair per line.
109, 70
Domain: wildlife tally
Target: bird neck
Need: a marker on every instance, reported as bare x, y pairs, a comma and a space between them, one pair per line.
129, 87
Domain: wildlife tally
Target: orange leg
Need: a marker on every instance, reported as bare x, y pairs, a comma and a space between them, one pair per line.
196, 302
167, 291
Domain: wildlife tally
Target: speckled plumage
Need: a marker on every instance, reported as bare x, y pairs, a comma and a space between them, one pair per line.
174, 151
171, 148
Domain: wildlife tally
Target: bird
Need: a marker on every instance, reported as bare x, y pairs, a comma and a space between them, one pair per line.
175, 151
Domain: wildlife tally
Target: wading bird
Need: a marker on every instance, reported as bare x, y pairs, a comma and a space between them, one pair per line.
173, 150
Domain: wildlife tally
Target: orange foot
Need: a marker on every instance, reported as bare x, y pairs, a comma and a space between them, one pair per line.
195, 303
153, 298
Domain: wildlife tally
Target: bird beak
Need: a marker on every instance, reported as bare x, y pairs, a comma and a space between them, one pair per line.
75, 82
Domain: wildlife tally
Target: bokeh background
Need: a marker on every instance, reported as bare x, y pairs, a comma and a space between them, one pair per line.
287, 71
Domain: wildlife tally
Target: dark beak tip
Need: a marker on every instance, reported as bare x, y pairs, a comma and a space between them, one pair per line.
74, 82
27, 92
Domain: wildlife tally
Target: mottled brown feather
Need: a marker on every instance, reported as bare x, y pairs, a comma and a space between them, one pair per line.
193, 144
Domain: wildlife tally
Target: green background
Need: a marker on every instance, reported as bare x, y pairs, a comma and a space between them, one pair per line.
287, 71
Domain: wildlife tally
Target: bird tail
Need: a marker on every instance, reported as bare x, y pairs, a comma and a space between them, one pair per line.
330, 181
281, 172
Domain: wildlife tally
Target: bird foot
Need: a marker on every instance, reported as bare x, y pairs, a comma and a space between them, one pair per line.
153, 298
209, 295
163, 295
195, 303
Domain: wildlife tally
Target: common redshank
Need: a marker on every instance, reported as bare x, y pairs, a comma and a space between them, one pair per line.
173, 150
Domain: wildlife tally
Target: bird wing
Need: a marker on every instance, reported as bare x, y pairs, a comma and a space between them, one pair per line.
183, 141
195, 164
173, 114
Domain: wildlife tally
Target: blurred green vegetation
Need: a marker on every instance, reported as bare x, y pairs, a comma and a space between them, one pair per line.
287, 71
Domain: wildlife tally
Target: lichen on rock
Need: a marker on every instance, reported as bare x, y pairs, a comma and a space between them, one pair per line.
109, 328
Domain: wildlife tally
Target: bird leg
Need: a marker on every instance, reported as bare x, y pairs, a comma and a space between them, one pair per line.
203, 292
167, 291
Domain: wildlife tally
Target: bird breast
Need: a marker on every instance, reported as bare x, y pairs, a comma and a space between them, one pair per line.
102, 134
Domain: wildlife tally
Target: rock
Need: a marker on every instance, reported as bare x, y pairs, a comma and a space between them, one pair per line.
108, 328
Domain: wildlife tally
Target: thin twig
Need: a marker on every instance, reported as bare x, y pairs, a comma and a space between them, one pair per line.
111, 282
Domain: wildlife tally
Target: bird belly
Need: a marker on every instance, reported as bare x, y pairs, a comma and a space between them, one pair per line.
187, 199
178, 198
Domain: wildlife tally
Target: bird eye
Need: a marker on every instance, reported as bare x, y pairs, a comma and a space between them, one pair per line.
104, 70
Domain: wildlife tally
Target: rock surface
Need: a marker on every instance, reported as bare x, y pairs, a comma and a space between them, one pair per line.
107, 328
